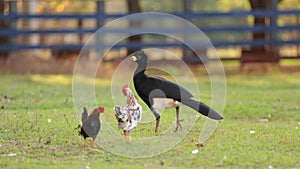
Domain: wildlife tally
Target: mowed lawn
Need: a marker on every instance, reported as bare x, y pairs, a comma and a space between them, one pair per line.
261, 128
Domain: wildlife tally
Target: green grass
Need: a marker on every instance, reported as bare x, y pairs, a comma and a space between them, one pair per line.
40, 107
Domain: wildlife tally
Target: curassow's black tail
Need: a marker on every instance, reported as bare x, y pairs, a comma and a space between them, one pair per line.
202, 108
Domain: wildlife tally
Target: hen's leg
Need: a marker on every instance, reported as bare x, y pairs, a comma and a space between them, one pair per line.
85, 144
127, 137
178, 122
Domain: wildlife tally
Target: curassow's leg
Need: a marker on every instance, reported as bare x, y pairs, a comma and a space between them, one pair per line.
157, 124
94, 143
157, 117
178, 122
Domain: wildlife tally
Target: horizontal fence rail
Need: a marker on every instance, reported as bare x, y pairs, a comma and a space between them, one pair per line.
255, 13
15, 32
12, 32
133, 45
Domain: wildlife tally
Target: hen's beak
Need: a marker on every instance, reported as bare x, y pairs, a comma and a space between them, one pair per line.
133, 58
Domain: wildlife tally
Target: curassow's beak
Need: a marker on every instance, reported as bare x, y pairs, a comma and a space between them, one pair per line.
133, 58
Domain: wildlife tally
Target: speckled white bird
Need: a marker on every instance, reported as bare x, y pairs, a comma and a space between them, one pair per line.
130, 115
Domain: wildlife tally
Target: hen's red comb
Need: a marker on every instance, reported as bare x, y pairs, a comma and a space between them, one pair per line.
101, 108
124, 88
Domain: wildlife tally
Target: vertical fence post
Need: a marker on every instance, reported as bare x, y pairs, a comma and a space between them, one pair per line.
4, 40
100, 10
187, 53
273, 25
13, 22
134, 7
298, 37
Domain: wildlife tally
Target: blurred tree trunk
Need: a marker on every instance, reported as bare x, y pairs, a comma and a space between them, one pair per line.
261, 21
29, 7
189, 56
134, 7
264, 53
3, 25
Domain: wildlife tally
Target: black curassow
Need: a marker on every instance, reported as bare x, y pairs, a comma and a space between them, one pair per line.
152, 88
